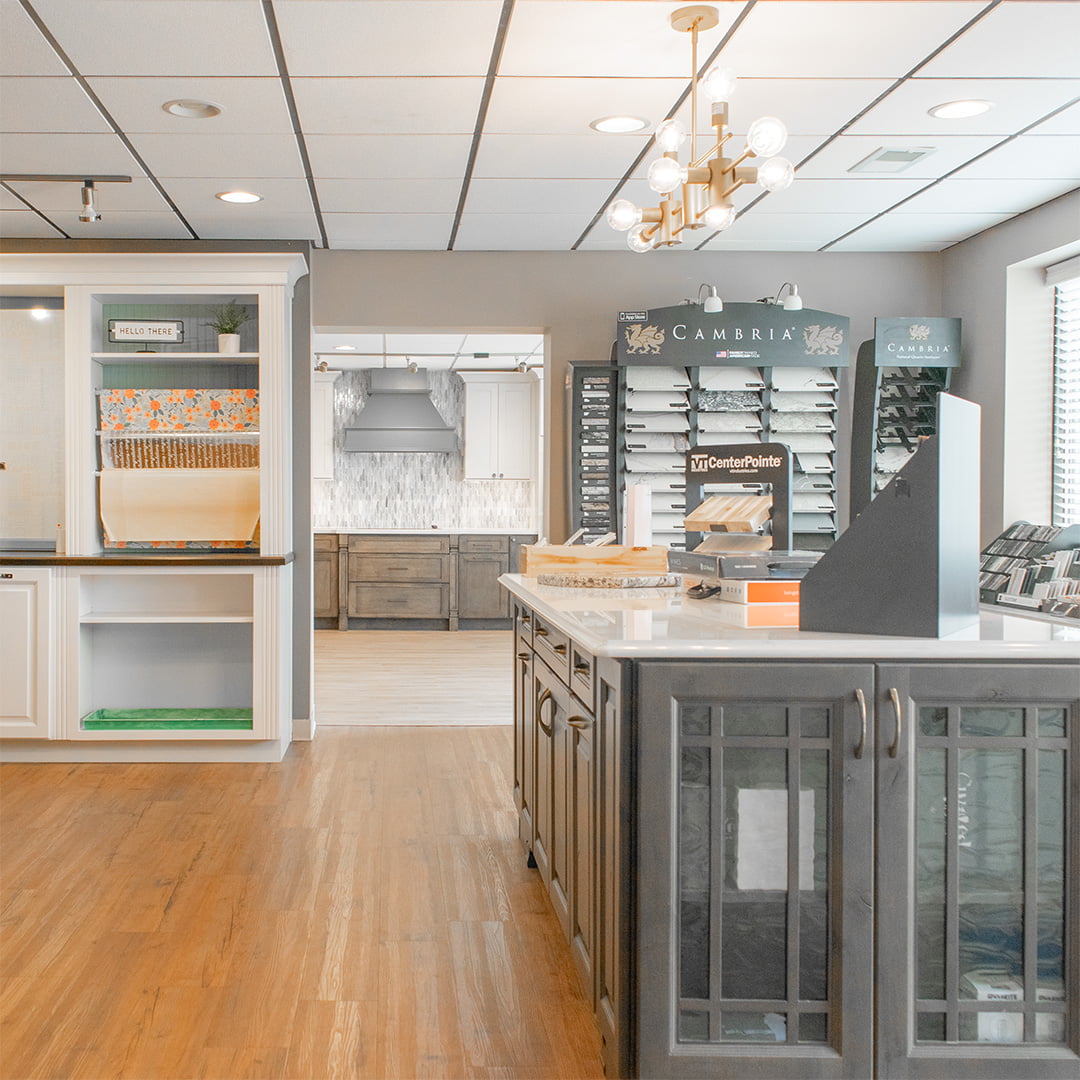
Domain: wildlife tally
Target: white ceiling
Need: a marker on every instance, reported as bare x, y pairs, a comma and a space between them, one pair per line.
445, 352
463, 124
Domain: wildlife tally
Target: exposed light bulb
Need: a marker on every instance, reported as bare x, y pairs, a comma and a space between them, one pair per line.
766, 136
665, 175
718, 83
670, 135
89, 211
622, 214
636, 240
775, 174
719, 217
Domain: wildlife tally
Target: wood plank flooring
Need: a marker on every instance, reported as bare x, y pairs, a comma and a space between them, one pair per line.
360, 910
413, 677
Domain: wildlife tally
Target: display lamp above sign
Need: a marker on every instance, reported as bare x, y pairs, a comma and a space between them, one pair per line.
698, 195
166, 330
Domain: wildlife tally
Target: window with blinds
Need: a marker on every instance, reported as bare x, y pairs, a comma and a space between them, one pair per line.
1066, 509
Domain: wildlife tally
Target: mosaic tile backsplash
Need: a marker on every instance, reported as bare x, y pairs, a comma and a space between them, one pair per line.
413, 491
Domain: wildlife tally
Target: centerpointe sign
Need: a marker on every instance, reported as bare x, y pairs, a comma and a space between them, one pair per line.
755, 334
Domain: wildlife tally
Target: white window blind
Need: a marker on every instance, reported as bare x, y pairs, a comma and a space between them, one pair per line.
1067, 402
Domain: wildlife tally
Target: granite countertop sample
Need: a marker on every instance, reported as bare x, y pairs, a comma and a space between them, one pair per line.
664, 623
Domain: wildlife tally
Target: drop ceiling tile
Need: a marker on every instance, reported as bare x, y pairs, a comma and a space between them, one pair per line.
25, 223
1030, 39
64, 154
780, 244
566, 106
281, 226
519, 232
140, 196
183, 37
388, 106
488, 196
593, 156
1043, 156
423, 344
249, 106
957, 195
279, 196
1017, 103
25, 51
1067, 122
9, 202
47, 105
519, 344
364, 343
858, 242
842, 38
387, 37
857, 196
215, 155
947, 228
389, 232
378, 157
164, 226
755, 227
389, 196
839, 156
630, 38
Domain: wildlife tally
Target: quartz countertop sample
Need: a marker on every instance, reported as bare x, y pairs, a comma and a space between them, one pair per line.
320, 529
665, 624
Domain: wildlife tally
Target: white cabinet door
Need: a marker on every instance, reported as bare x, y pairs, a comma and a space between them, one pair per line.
481, 430
517, 430
27, 709
322, 424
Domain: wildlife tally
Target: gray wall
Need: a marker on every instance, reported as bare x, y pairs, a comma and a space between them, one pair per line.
1005, 351
574, 297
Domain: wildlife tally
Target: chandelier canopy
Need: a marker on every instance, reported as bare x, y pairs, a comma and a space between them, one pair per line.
698, 195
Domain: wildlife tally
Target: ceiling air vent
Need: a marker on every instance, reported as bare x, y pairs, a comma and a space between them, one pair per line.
892, 159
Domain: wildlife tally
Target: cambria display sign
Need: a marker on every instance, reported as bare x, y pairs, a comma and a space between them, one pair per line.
916, 341
742, 334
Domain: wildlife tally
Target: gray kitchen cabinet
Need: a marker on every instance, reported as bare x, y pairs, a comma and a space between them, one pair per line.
482, 560
857, 870
401, 577
524, 726
326, 602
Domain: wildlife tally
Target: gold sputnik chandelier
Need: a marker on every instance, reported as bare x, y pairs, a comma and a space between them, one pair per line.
698, 195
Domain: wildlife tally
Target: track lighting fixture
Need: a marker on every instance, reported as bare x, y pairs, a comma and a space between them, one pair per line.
89, 211
712, 302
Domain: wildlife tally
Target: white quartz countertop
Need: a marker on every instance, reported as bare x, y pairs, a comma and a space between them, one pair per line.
426, 532
666, 624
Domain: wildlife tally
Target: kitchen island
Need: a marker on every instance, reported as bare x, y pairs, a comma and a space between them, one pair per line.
786, 854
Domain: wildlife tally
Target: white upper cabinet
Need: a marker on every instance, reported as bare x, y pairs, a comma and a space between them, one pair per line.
322, 424
500, 425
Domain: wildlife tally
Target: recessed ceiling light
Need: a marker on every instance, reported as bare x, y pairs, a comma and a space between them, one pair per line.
892, 159
345, 348
238, 196
960, 110
191, 109
619, 125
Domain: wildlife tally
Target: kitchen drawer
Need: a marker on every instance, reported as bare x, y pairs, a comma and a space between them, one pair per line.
426, 601
582, 671
483, 544
553, 645
392, 545
378, 568
326, 542
523, 628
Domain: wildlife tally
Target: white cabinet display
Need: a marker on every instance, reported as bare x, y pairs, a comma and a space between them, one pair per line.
27, 704
500, 425
173, 596
322, 424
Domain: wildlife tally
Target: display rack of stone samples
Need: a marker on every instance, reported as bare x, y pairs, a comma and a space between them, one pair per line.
594, 407
1033, 567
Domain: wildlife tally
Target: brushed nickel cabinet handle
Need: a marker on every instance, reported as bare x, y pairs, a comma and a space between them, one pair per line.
582, 723
860, 697
541, 701
894, 697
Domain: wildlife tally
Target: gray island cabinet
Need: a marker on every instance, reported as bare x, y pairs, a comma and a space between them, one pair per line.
792, 855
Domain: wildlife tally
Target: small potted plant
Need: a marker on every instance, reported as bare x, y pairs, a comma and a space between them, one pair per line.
227, 320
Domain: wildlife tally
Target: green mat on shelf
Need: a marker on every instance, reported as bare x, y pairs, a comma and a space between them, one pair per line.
168, 719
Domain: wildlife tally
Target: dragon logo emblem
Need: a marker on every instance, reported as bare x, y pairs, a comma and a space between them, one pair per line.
822, 340
919, 332
643, 339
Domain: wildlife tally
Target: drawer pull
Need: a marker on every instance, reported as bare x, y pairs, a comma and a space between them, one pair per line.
560, 649
523, 656
894, 697
582, 723
542, 631
860, 697
541, 701
581, 667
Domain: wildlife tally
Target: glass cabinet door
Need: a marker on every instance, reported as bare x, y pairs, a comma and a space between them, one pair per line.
978, 947
754, 811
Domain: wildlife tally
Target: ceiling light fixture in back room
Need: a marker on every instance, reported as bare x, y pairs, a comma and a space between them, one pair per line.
706, 184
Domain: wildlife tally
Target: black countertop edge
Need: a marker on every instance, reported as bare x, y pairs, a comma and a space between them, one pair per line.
127, 558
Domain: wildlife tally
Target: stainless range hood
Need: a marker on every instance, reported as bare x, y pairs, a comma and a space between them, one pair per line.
400, 417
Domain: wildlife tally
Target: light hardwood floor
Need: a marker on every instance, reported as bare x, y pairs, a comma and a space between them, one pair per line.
362, 909
413, 677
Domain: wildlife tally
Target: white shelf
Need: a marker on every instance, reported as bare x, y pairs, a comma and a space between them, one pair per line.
164, 358
156, 619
